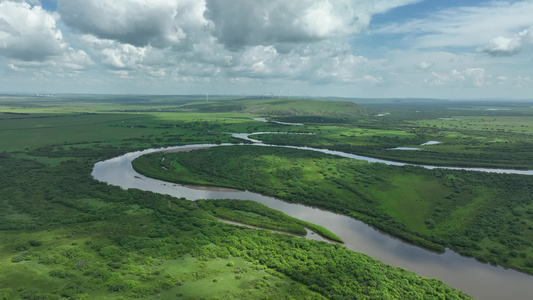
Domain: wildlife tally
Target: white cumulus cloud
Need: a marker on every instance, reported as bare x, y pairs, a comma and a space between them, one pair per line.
32, 2
469, 77
28, 33
507, 46
116, 55
121, 74
424, 65
240, 23
467, 25
159, 23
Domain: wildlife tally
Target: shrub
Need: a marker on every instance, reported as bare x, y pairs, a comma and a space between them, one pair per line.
35, 243
18, 258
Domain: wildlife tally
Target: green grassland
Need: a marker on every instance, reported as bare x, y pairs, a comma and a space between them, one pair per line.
98, 260
281, 107
485, 215
257, 214
137, 130
470, 136
80, 264
508, 124
66, 236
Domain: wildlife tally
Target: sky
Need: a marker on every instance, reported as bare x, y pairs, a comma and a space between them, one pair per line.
447, 49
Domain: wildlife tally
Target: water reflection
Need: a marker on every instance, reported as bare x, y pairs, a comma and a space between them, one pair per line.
480, 280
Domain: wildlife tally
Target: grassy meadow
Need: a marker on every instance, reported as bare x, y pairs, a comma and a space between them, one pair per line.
66, 236
484, 215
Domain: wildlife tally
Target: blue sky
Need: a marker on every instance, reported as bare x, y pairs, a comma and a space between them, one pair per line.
352, 48
49, 5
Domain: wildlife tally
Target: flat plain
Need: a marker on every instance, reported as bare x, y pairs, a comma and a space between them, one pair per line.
68, 236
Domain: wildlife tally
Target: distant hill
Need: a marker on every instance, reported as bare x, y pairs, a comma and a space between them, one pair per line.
281, 107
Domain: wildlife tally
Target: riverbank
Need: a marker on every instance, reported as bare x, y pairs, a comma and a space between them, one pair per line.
481, 280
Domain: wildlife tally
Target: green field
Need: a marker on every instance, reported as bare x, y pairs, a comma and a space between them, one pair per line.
281, 107
66, 236
257, 214
469, 136
485, 215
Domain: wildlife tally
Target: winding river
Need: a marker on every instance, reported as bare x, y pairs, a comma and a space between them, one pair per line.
480, 280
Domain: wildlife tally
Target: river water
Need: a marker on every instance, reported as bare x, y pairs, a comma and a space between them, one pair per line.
480, 280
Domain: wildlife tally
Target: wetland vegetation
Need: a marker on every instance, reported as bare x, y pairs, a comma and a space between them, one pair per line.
486, 215
257, 214
68, 236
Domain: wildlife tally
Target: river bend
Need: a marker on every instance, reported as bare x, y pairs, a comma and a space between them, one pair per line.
480, 280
